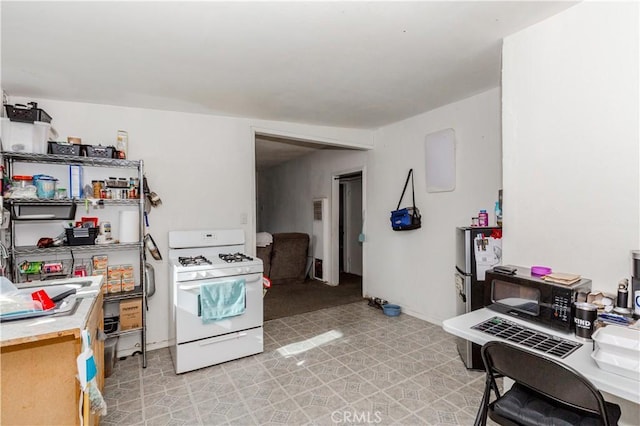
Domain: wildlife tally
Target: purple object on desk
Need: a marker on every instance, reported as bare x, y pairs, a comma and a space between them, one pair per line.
540, 270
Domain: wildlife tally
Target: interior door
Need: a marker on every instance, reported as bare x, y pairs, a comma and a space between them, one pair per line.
353, 227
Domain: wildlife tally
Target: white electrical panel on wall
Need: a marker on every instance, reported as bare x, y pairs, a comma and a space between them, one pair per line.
440, 156
320, 240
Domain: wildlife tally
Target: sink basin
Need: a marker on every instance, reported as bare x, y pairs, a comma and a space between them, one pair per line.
64, 307
83, 288
70, 292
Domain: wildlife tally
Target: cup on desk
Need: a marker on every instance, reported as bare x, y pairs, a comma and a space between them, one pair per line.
636, 302
585, 319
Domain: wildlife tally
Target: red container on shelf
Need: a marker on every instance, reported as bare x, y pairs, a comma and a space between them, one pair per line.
93, 220
21, 181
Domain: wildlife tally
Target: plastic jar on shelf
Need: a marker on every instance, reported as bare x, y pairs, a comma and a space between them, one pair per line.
483, 218
45, 186
21, 181
97, 188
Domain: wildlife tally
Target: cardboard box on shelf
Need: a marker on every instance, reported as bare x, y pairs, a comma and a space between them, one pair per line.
114, 272
100, 262
105, 284
128, 284
102, 272
126, 271
130, 314
114, 286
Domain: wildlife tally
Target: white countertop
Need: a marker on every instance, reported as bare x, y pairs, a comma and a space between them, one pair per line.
34, 329
580, 360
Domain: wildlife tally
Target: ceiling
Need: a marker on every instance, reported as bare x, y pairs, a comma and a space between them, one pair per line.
345, 64
271, 151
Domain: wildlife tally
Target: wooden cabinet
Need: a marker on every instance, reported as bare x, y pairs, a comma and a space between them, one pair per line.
38, 385
95, 325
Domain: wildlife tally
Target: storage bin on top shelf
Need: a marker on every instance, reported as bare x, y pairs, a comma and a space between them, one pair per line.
98, 151
24, 137
75, 150
63, 148
27, 114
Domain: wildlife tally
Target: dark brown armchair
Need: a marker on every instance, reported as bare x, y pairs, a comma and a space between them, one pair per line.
286, 257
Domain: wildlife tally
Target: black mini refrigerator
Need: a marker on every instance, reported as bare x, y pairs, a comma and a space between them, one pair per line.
478, 249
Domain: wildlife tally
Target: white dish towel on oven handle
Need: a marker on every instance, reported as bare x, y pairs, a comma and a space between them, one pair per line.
222, 300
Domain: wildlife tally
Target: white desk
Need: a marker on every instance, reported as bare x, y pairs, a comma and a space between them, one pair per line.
580, 360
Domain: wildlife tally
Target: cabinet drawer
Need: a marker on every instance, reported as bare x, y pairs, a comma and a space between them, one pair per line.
207, 352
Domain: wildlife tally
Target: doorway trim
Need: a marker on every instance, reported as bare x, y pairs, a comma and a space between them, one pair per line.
334, 252
334, 249
261, 131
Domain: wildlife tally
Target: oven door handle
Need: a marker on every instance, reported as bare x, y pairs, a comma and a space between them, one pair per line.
195, 286
223, 338
188, 287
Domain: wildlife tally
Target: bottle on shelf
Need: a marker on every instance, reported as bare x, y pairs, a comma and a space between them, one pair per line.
498, 213
122, 144
483, 218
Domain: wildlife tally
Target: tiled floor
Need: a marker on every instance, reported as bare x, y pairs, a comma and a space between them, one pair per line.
344, 365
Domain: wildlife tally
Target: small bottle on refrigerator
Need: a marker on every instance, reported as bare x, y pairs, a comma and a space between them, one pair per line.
498, 213
483, 218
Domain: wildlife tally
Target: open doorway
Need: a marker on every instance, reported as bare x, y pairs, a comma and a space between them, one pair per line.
350, 234
350, 224
290, 189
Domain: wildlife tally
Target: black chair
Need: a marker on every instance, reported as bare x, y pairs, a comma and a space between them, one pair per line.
546, 392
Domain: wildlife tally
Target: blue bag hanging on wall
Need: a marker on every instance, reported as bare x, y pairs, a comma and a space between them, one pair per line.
409, 217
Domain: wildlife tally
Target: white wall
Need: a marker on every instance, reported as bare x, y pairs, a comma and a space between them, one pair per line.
202, 167
415, 268
286, 192
571, 142
571, 146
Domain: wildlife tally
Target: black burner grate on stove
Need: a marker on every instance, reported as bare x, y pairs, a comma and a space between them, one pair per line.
194, 261
234, 257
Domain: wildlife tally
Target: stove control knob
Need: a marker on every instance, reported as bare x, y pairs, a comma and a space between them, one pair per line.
202, 274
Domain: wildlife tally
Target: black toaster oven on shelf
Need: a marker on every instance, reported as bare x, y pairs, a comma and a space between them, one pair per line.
531, 298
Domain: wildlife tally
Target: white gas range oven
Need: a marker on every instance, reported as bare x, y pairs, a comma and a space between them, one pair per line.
205, 263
